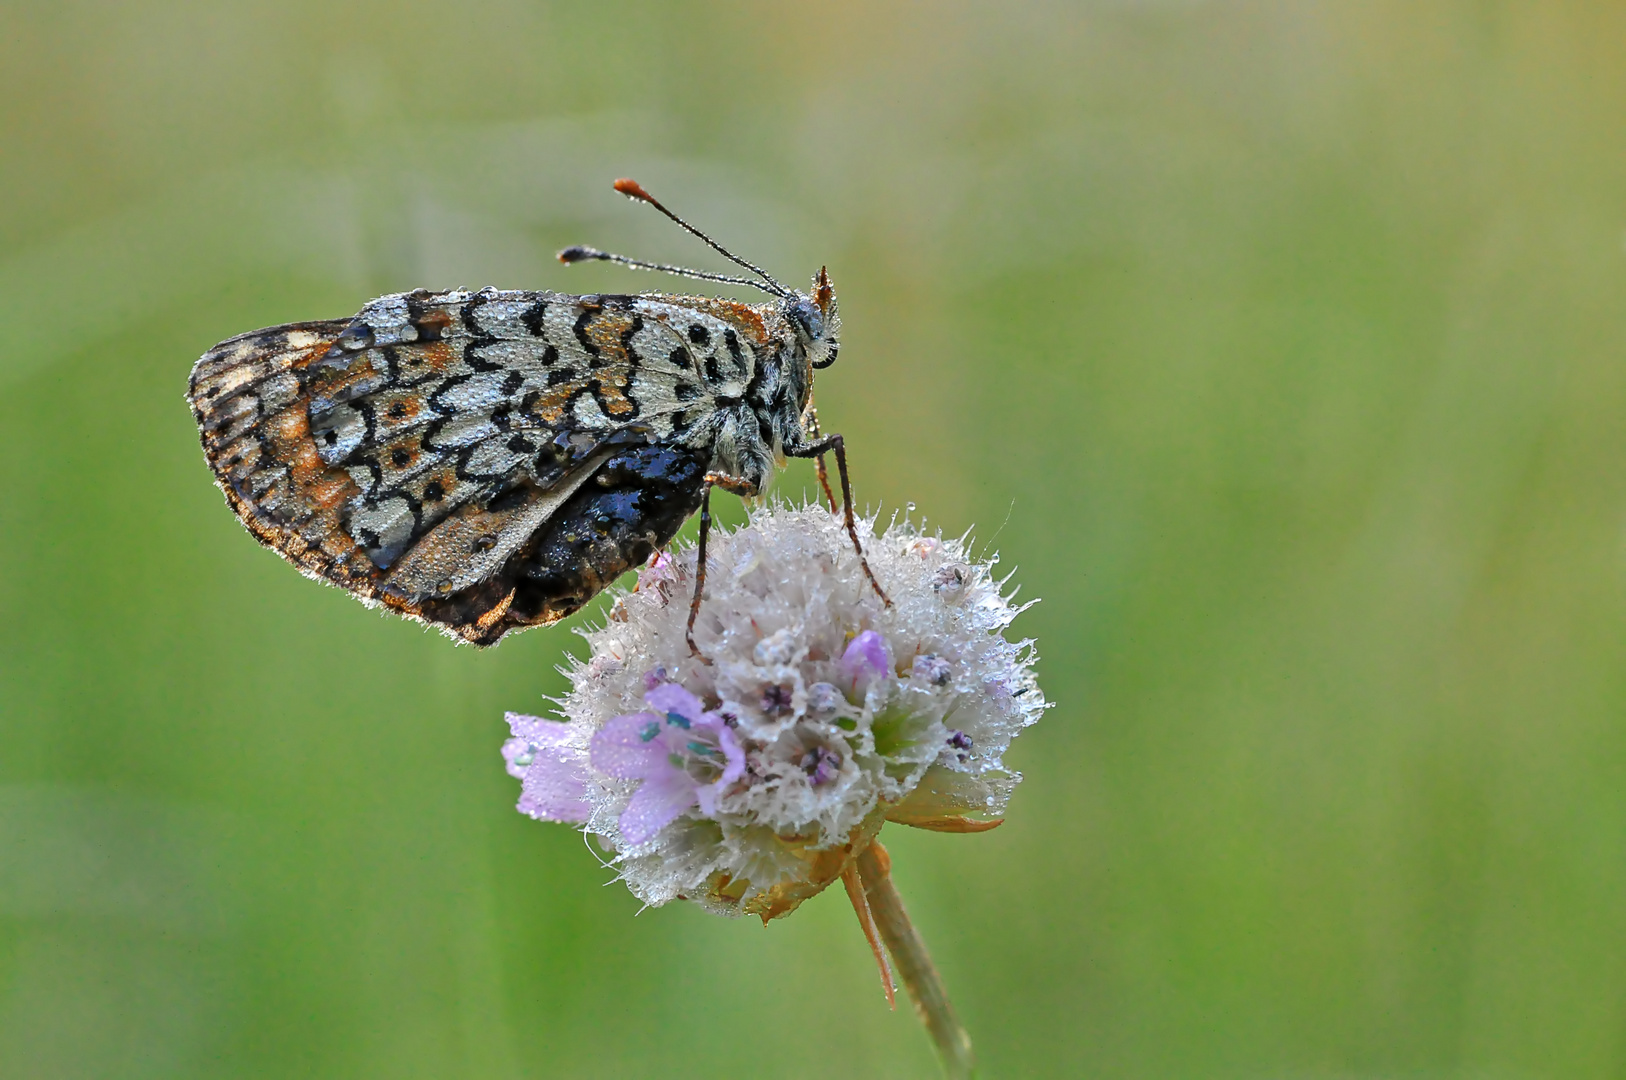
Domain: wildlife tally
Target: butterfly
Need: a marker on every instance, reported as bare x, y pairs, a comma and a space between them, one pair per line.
489, 461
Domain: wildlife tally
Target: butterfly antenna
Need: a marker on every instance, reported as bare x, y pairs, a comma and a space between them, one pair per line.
587, 254
633, 190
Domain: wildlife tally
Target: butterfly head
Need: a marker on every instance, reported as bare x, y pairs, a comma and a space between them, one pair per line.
817, 322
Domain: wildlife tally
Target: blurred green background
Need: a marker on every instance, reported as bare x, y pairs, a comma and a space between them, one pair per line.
1278, 344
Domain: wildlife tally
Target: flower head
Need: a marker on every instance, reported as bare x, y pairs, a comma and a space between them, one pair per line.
749, 778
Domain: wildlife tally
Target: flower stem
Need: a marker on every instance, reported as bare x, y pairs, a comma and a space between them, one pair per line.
914, 964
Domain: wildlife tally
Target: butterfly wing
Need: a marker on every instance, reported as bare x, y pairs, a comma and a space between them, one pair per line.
481, 461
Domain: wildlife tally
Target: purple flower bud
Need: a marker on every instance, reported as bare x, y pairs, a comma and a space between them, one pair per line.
821, 764
868, 658
654, 677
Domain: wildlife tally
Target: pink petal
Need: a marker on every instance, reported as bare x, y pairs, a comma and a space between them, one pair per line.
555, 787
672, 698
530, 733
733, 752
620, 749
511, 749
552, 774
656, 803
733, 769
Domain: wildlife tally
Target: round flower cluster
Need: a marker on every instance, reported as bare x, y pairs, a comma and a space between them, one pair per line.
748, 778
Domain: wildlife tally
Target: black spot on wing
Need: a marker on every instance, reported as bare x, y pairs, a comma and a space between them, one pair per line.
531, 318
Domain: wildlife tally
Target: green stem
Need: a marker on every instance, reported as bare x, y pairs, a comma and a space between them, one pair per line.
914, 964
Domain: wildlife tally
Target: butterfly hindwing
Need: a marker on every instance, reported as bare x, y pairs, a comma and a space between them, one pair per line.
248, 398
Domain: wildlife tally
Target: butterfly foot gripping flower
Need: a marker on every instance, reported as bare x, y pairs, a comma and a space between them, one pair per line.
749, 778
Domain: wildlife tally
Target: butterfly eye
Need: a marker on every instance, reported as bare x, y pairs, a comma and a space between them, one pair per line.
808, 319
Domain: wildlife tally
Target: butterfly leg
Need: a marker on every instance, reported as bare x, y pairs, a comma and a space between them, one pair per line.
818, 462
739, 486
817, 450
824, 481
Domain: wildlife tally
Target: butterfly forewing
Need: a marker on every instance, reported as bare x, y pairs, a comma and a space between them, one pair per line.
483, 461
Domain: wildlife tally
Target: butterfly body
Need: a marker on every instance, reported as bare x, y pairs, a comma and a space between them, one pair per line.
488, 461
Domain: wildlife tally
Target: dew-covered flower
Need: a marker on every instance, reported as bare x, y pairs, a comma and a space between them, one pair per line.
750, 777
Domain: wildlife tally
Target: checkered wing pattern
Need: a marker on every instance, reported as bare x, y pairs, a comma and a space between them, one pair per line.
481, 461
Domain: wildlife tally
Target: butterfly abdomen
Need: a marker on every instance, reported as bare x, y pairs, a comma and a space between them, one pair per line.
634, 506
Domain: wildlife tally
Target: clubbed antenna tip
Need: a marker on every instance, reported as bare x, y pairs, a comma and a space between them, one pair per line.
634, 190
